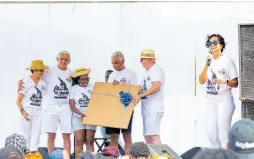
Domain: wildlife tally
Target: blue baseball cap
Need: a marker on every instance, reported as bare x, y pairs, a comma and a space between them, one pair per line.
241, 139
57, 154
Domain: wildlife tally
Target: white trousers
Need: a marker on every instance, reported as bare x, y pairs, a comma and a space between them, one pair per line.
31, 130
220, 109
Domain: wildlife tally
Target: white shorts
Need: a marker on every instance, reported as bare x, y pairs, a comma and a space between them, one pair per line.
77, 124
151, 124
57, 114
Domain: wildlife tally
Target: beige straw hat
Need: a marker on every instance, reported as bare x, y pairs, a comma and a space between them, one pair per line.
80, 71
148, 54
37, 65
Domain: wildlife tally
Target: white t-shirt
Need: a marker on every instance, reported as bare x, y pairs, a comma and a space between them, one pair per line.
155, 102
222, 68
33, 94
58, 85
124, 76
81, 96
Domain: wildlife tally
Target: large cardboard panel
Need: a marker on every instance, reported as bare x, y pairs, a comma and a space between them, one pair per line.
105, 108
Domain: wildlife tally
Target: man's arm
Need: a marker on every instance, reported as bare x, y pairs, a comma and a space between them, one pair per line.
156, 86
156, 77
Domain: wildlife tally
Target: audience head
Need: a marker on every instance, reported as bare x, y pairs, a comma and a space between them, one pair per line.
17, 141
241, 139
34, 155
215, 154
11, 153
57, 154
139, 150
89, 155
86, 155
110, 152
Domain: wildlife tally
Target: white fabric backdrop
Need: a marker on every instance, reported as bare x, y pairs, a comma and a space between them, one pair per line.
91, 32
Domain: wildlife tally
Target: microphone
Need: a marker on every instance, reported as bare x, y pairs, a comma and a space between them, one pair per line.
209, 60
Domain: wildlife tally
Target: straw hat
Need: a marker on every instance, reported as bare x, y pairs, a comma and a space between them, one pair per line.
80, 71
148, 54
37, 65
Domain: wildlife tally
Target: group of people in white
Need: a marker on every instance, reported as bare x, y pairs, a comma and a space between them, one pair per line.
66, 96
66, 93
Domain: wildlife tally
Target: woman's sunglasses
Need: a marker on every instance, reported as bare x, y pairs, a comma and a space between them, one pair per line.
209, 43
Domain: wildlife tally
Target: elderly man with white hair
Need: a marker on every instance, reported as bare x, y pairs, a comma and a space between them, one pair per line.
152, 97
121, 75
58, 80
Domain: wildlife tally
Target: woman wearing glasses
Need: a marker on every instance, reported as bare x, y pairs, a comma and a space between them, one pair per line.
79, 98
220, 76
29, 102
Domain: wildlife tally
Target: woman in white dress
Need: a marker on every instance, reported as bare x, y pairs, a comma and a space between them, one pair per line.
29, 102
79, 98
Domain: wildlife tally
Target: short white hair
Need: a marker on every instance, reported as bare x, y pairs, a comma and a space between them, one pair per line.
118, 54
64, 52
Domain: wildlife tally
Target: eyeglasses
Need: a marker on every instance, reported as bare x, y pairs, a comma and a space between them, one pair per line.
84, 79
210, 43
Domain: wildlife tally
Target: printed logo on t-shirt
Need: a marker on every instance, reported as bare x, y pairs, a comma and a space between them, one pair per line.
123, 80
222, 71
61, 91
36, 98
144, 89
43, 88
212, 86
69, 79
83, 102
144, 86
148, 78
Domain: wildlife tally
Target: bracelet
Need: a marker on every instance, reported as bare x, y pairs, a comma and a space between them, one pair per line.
21, 111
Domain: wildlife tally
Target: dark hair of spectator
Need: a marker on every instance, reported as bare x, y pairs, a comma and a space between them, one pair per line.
216, 154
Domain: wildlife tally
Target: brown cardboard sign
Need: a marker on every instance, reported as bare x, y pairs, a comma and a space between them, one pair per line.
105, 107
